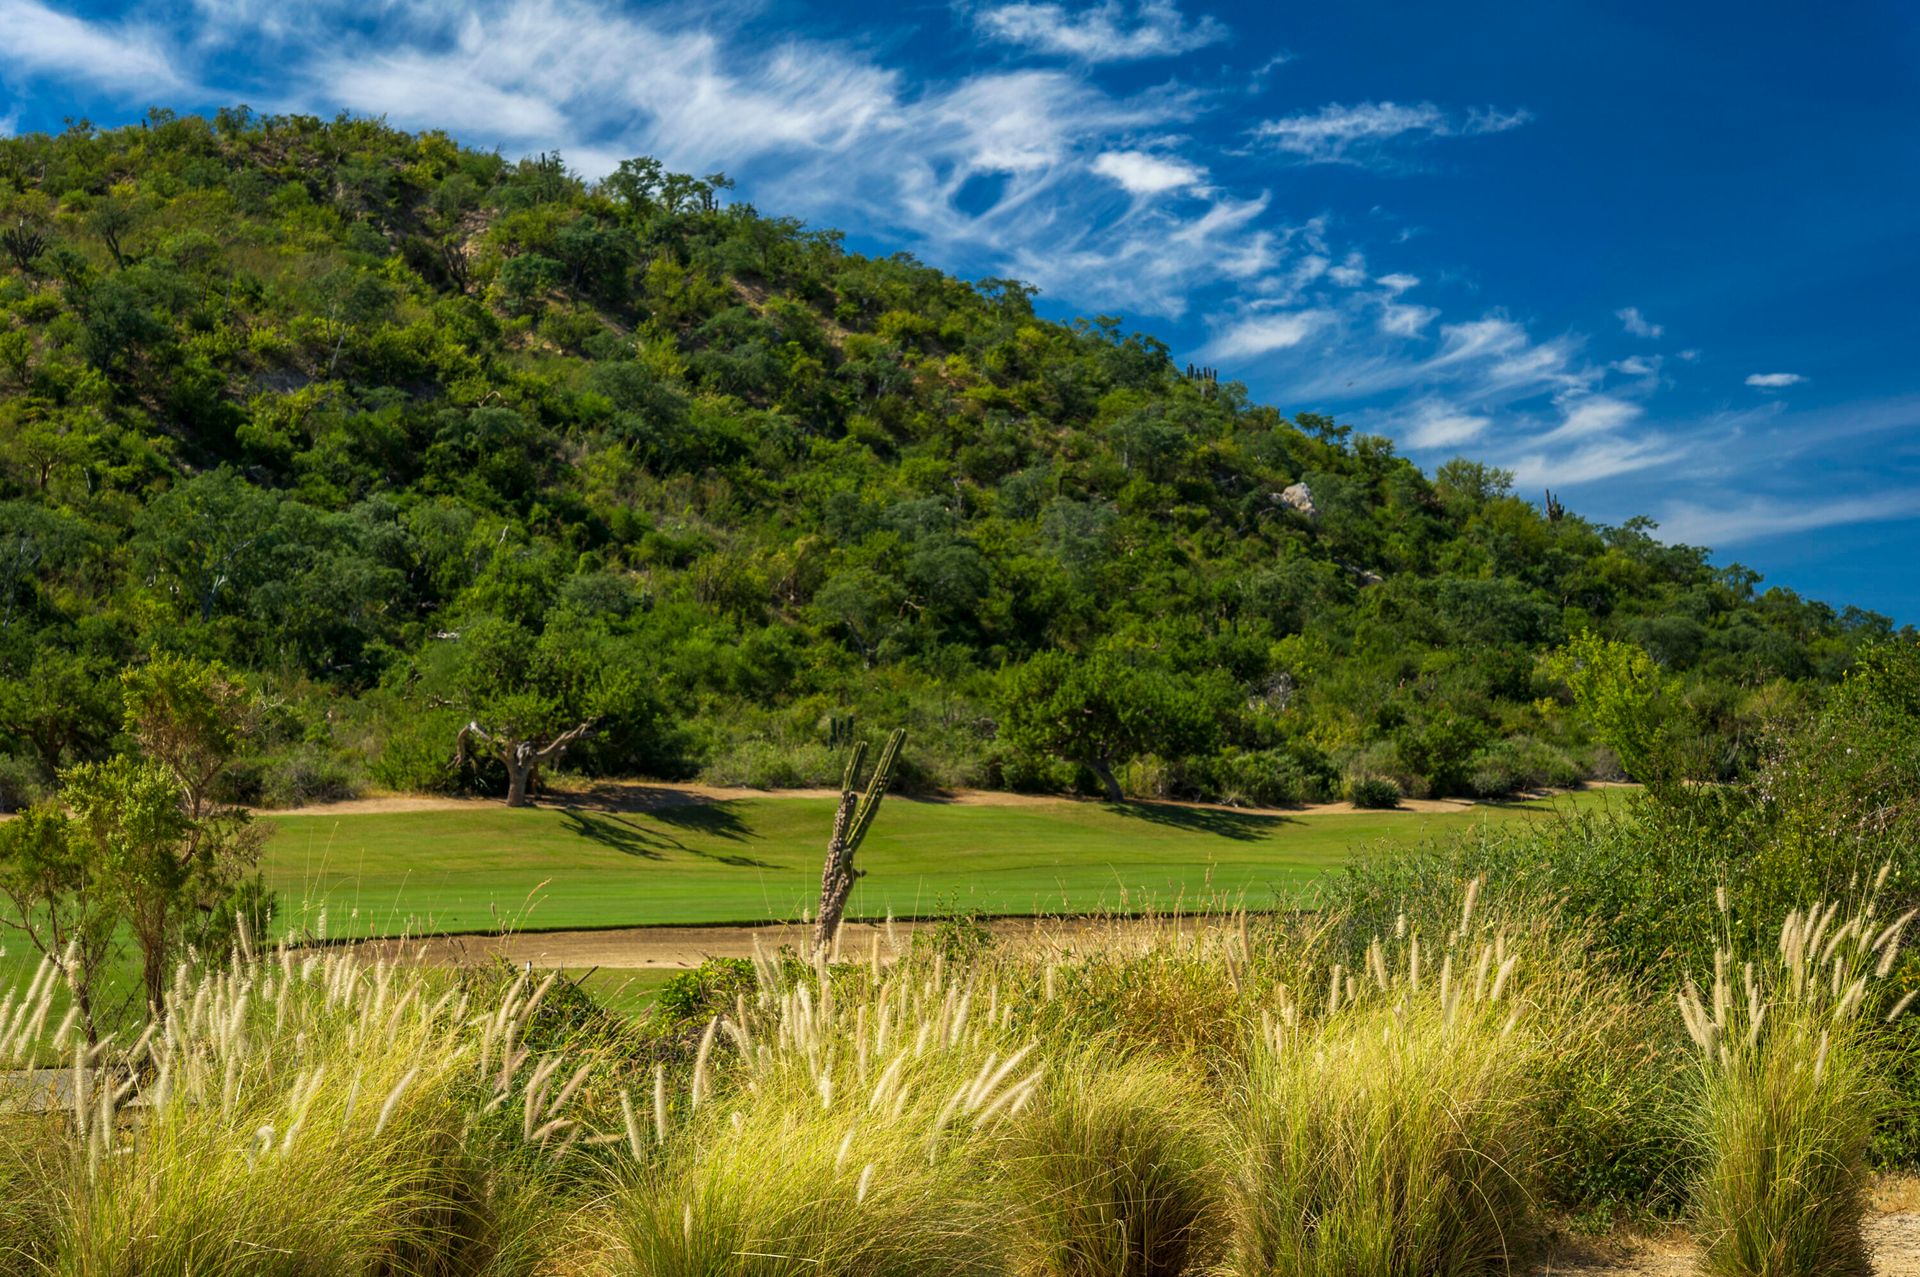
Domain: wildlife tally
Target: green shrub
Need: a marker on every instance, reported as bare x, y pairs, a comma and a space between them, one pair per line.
766, 764
1521, 763
696, 996
300, 776
1373, 792
1266, 778
416, 756
21, 784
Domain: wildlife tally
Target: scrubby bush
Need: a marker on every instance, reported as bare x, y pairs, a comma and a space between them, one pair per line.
1266, 778
1522, 763
1373, 792
766, 764
415, 755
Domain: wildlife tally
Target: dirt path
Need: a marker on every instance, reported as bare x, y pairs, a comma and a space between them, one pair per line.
638, 795
1891, 1228
654, 948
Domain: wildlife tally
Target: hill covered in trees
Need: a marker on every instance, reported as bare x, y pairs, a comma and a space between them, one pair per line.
407, 436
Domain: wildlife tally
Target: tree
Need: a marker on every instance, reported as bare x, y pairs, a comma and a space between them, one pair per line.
528, 700
55, 896
1105, 710
211, 538
130, 828
1621, 691
64, 710
191, 719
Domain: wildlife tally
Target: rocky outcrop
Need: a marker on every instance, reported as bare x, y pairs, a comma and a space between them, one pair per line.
1299, 497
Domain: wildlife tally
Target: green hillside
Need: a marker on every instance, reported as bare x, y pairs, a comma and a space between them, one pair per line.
409, 434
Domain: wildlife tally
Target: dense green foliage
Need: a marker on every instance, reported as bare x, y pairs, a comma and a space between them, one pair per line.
412, 434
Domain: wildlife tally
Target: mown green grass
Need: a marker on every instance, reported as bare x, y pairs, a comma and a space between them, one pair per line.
753, 860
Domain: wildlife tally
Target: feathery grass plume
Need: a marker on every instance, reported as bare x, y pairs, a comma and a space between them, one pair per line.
1787, 1093
794, 1163
1115, 1171
248, 1155
1389, 1133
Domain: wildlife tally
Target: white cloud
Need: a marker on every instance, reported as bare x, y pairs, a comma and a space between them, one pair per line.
1398, 282
1475, 364
1103, 33
1264, 334
1350, 273
1758, 518
1584, 415
124, 58
1604, 459
1338, 134
415, 91
1774, 380
1140, 173
1406, 321
1438, 425
1259, 78
1636, 324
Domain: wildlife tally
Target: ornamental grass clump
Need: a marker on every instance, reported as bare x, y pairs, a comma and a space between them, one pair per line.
1116, 1171
1387, 1124
1787, 1094
827, 1137
301, 1114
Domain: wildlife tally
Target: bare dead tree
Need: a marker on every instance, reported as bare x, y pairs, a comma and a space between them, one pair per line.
851, 820
522, 756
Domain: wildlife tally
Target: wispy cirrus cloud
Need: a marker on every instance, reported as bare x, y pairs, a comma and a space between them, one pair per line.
1437, 424
1363, 134
1755, 519
126, 57
1108, 32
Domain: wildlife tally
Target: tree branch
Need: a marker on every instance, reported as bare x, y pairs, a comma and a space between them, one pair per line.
558, 745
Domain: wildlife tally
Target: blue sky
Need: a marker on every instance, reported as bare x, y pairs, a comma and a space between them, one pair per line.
1662, 258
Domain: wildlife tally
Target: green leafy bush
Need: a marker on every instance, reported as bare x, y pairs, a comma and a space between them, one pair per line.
1373, 792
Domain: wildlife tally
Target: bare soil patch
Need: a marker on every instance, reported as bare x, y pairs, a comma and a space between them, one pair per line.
1892, 1243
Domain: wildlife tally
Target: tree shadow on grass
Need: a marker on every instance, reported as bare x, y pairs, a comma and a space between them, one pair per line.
624, 834
610, 831
715, 819
1222, 822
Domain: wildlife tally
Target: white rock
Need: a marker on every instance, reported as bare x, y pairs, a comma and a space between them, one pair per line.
1299, 497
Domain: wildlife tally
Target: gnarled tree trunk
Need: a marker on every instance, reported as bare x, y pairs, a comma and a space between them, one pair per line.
520, 755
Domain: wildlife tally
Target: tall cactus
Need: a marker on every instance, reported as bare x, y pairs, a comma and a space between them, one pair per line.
851, 820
